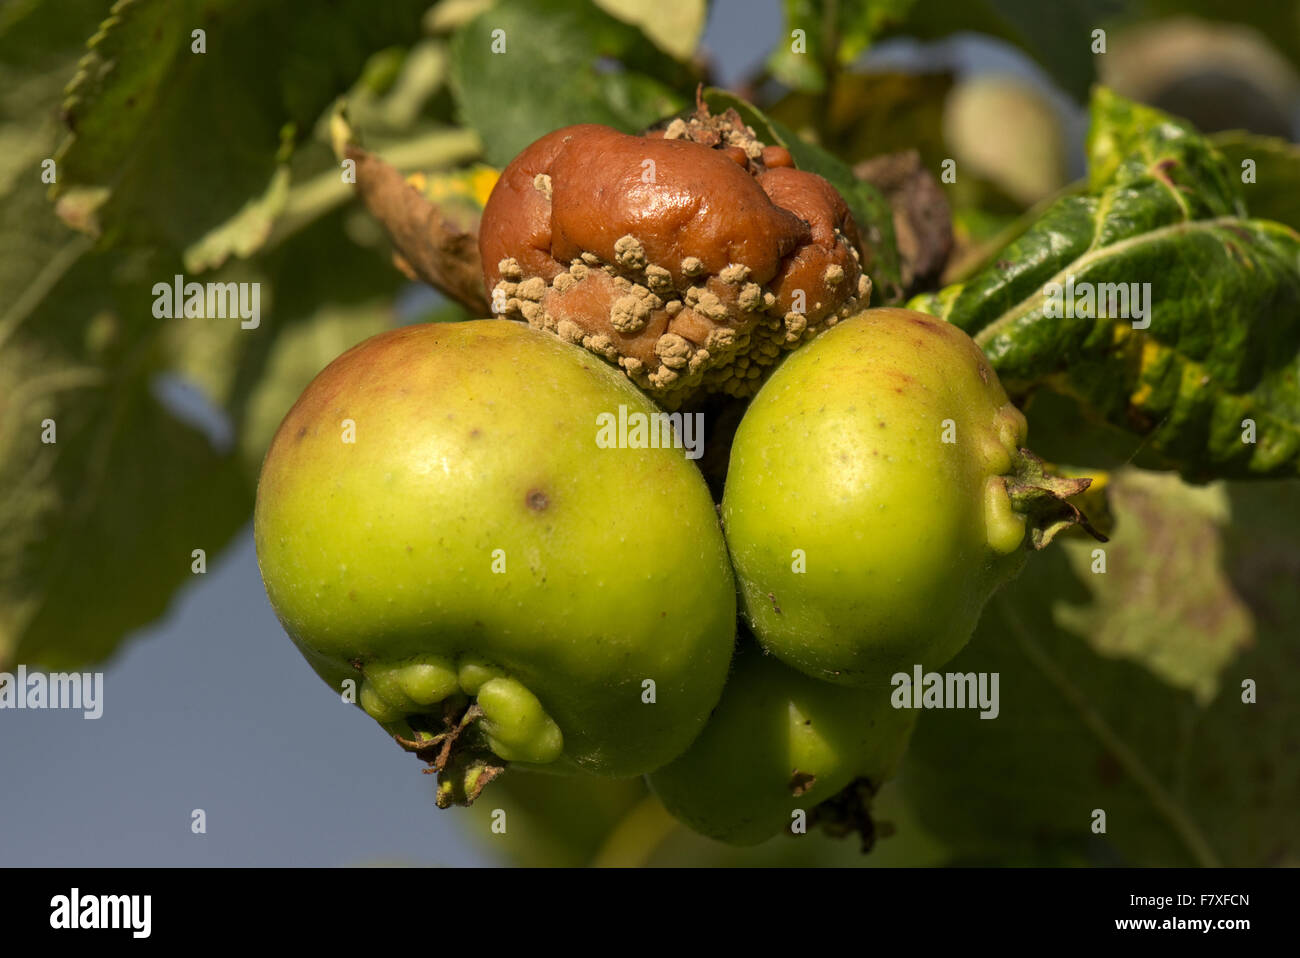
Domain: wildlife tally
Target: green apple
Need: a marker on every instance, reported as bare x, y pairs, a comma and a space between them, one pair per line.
437, 522
869, 498
780, 742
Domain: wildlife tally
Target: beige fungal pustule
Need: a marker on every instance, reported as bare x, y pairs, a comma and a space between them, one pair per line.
691, 257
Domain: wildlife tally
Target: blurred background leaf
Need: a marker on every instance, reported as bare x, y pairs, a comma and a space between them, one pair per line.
98, 528
1057, 35
1275, 192
867, 114
165, 143
522, 69
824, 36
1085, 725
675, 26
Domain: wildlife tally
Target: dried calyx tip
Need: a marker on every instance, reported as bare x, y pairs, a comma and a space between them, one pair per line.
1043, 498
463, 763
849, 812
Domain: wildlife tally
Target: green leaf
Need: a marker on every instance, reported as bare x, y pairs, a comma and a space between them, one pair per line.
1057, 35
1086, 720
99, 525
1167, 532
823, 36
870, 209
105, 494
72, 358
674, 25
322, 292
243, 234
107, 517
522, 69
284, 209
167, 144
388, 102
867, 114
1275, 192
397, 86
1162, 220
40, 43
96, 527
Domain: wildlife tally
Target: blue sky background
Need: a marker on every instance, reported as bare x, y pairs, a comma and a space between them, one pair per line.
213, 708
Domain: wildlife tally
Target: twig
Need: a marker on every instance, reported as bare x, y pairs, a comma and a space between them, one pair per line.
436, 250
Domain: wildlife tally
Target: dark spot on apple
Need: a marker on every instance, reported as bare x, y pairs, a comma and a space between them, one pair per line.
537, 500
352, 594
302, 432
801, 782
475, 433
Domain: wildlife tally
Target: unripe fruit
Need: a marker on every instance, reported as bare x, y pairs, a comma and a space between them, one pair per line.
877, 496
491, 578
778, 742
